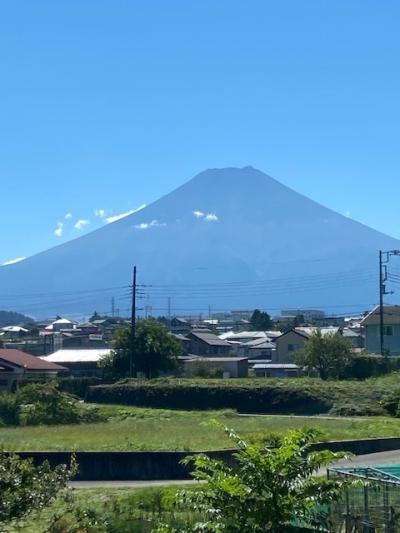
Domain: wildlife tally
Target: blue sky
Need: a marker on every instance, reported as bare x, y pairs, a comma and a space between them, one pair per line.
107, 105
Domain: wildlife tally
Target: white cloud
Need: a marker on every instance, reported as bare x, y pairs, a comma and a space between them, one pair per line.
13, 261
114, 218
59, 229
152, 224
198, 214
68, 216
211, 217
81, 223
100, 213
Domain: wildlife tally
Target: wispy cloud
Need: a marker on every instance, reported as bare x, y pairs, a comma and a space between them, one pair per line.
198, 214
211, 217
100, 213
152, 224
13, 261
81, 223
114, 218
68, 216
58, 232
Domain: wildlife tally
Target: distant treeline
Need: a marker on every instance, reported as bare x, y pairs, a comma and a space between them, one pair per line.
11, 318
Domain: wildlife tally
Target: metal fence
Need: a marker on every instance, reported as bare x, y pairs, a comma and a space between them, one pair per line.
371, 504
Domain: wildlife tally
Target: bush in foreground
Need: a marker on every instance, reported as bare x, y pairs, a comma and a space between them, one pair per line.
271, 488
25, 487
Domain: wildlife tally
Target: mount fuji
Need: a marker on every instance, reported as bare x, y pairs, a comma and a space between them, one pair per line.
228, 238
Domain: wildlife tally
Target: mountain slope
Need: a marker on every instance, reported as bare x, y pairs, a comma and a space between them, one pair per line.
236, 237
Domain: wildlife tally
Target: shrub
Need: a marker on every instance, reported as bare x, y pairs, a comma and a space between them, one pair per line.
45, 404
9, 410
25, 487
366, 366
78, 386
247, 396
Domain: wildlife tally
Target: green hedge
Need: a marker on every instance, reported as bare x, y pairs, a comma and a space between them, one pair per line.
365, 366
78, 386
261, 396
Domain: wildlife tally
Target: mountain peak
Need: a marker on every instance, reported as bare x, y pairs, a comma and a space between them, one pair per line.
229, 238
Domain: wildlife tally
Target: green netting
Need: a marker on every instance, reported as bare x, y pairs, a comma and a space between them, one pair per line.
390, 470
372, 504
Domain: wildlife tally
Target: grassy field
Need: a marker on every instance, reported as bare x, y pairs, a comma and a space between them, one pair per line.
132, 428
104, 510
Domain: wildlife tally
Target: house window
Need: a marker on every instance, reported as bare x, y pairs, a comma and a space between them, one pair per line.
388, 331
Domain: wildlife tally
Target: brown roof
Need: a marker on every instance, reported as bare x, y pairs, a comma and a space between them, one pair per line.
22, 359
391, 316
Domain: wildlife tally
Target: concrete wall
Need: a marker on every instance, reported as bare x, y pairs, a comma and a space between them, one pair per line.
166, 465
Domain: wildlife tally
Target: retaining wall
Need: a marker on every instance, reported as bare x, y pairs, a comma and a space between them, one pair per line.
145, 466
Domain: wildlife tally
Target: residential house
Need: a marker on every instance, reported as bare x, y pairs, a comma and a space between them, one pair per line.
79, 362
204, 342
257, 349
230, 367
179, 326
355, 337
60, 324
287, 344
17, 366
275, 370
391, 330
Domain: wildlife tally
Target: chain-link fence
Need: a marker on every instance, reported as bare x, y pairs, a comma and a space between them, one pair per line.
371, 504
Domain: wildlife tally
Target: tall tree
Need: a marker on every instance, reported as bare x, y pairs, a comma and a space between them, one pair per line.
153, 350
328, 354
260, 321
270, 488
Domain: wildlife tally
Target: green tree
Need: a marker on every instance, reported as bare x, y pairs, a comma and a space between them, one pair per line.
328, 354
270, 488
25, 487
260, 321
153, 350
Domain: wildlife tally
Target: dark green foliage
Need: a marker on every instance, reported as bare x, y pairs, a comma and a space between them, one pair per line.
366, 366
24, 487
268, 489
78, 386
329, 355
153, 350
43, 403
9, 410
274, 396
257, 396
260, 321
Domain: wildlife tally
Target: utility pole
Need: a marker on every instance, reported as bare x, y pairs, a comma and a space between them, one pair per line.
384, 258
133, 322
112, 306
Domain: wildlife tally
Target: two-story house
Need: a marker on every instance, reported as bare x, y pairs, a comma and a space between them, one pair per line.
391, 330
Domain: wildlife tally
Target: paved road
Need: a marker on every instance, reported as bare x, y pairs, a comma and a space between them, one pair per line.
372, 459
